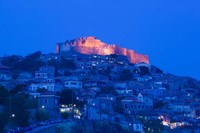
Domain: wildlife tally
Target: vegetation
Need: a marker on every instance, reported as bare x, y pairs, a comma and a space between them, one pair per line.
107, 90
42, 114
15, 108
105, 72
32, 62
144, 70
41, 90
18, 88
29, 63
125, 75
118, 107
3, 95
64, 63
3, 121
65, 115
67, 97
158, 105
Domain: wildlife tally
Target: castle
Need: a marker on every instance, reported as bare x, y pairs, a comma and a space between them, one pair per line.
91, 45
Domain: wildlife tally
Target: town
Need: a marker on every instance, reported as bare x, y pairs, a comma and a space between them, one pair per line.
94, 93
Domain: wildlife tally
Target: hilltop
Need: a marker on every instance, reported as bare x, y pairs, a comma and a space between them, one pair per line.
91, 45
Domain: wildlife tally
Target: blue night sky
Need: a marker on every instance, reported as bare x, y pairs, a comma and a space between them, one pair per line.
167, 30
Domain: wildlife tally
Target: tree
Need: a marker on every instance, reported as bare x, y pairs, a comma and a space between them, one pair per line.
3, 121
19, 108
144, 70
32, 62
67, 97
18, 105
118, 107
114, 56
107, 90
12, 61
158, 104
68, 63
41, 90
64, 63
65, 115
28, 63
92, 71
159, 71
42, 114
18, 88
3, 95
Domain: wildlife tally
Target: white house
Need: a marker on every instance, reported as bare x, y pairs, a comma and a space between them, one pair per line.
5, 73
138, 127
5, 76
181, 108
47, 86
45, 72
124, 91
120, 85
93, 114
73, 84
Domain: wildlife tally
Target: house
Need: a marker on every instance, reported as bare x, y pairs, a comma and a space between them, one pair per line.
64, 71
133, 106
24, 77
103, 105
48, 57
86, 94
47, 86
114, 76
106, 97
181, 108
5, 73
143, 78
129, 67
95, 84
154, 92
45, 74
137, 126
147, 101
48, 100
117, 68
99, 108
75, 77
99, 77
93, 114
197, 111
73, 84
122, 85
7, 84
124, 91
50, 103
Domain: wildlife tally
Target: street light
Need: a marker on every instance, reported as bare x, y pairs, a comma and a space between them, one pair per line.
13, 115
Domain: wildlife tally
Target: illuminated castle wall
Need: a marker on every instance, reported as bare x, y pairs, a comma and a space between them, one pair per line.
91, 45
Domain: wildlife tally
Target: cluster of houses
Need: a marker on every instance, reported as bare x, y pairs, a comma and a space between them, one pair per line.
152, 96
